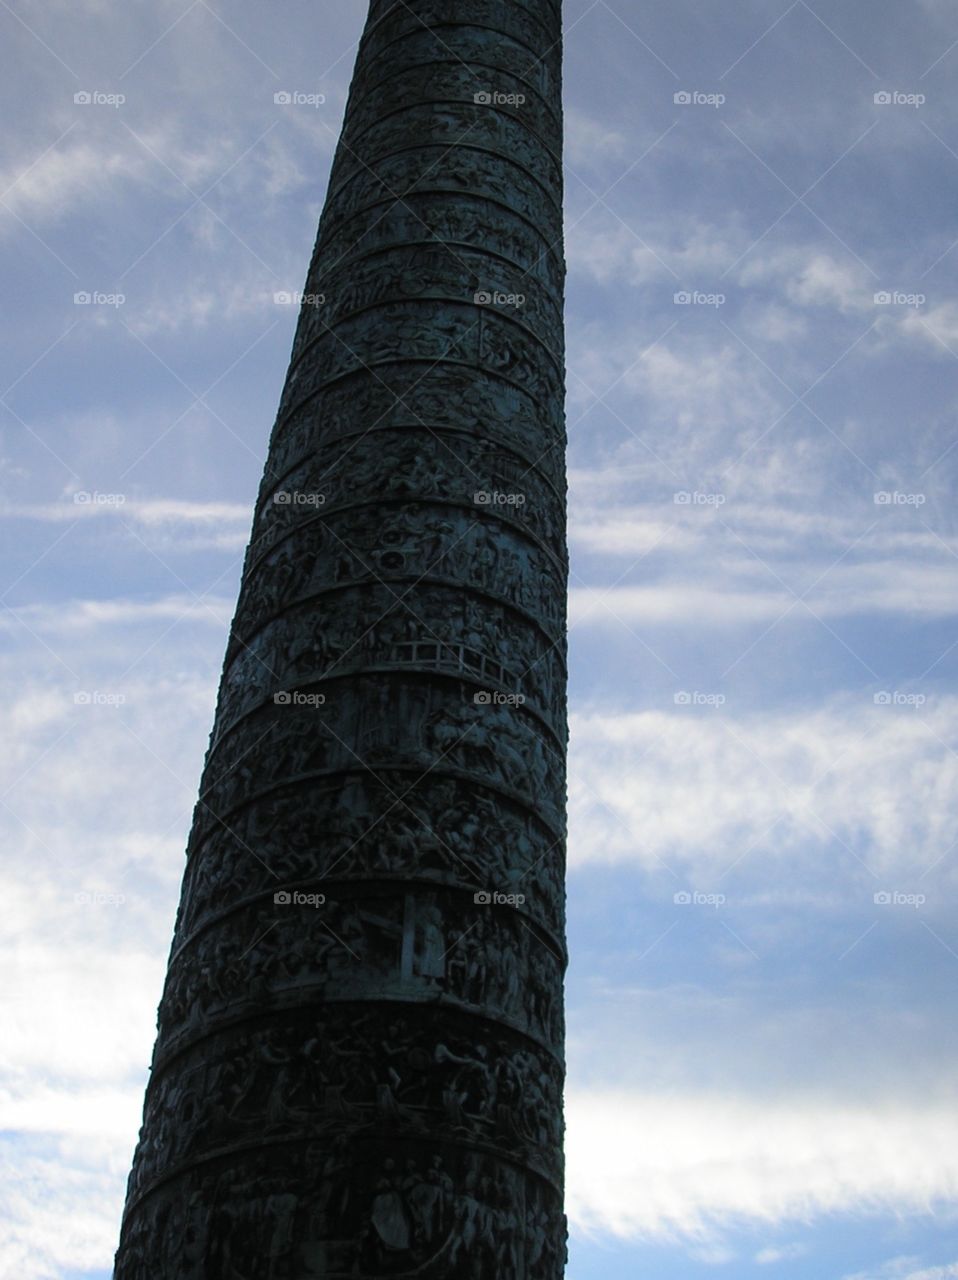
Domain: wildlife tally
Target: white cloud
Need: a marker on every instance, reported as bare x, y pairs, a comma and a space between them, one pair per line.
685, 1166
907, 1269
149, 511
808, 277
75, 615
779, 1253
699, 788
96, 799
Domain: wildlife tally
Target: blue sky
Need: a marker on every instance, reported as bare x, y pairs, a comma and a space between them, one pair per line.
763, 336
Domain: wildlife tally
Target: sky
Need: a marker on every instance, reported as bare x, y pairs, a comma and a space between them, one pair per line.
763, 336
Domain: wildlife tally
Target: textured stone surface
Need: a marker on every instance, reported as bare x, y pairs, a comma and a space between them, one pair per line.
358, 1070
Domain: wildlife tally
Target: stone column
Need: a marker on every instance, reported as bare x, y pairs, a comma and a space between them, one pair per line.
359, 1063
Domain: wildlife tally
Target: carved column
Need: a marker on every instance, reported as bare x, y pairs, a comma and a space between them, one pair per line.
359, 1064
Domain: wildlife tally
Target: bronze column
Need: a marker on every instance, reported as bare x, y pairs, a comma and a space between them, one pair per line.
359, 1062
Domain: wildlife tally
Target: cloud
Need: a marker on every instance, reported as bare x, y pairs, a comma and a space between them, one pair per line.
701, 789
97, 801
907, 1269
75, 615
732, 598
780, 1253
678, 1166
148, 511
